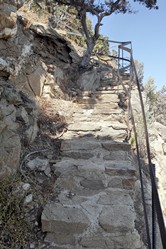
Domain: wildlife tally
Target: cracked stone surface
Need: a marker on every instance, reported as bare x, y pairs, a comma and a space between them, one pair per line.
94, 207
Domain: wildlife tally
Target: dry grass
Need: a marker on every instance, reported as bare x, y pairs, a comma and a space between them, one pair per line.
59, 108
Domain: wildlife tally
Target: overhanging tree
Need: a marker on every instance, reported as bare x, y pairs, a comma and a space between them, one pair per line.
100, 9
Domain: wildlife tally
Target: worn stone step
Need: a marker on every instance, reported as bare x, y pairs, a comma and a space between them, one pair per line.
125, 241
96, 126
80, 144
103, 134
78, 154
104, 98
122, 182
108, 111
75, 134
114, 124
107, 106
98, 92
95, 182
121, 168
110, 133
92, 143
67, 164
59, 219
86, 149
77, 220
86, 117
84, 126
113, 146
74, 173
118, 87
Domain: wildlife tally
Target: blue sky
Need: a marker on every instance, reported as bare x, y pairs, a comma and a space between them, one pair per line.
147, 31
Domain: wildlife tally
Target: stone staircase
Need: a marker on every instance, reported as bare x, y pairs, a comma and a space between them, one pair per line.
94, 207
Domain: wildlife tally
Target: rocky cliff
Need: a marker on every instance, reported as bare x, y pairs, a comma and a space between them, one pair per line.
93, 183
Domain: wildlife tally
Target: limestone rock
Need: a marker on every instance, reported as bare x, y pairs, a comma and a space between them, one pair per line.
38, 164
92, 184
63, 50
8, 18
37, 79
18, 126
60, 238
89, 80
10, 151
117, 219
66, 220
128, 241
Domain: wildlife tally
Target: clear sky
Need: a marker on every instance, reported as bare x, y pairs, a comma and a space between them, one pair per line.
147, 31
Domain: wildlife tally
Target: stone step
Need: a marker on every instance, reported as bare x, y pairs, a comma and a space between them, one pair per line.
122, 182
80, 144
84, 126
76, 221
96, 98
96, 126
96, 93
111, 171
84, 148
100, 112
105, 106
81, 165
110, 133
108, 111
103, 134
88, 178
91, 144
69, 135
113, 117
74, 174
118, 87
113, 146
83, 118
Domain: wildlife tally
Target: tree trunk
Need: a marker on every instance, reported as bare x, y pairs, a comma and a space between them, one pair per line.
86, 57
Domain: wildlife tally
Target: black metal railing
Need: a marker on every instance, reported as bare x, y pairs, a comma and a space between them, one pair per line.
126, 47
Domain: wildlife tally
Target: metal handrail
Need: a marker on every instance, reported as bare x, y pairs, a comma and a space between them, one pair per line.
151, 242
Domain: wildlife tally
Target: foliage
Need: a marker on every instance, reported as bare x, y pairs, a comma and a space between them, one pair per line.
150, 91
102, 45
159, 108
156, 101
100, 9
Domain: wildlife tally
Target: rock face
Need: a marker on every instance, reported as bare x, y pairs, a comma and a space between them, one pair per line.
32, 57
18, 126
39, 60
